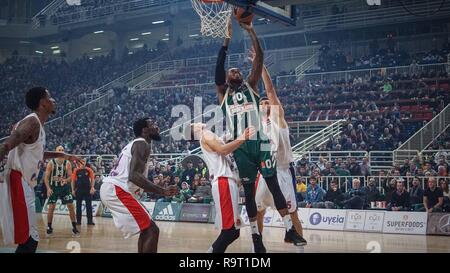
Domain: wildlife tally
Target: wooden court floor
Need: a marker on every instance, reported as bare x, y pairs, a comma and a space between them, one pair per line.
197, 237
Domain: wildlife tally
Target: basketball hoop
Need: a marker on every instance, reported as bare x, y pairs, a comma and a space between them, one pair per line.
214, 16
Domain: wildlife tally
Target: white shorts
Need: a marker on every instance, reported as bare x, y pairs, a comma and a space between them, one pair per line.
264, 198
128, 214
18, 210
225, 192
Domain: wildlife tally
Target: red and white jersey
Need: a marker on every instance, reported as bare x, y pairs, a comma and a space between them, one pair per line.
219, 165
25, 158
280, 143
120, 173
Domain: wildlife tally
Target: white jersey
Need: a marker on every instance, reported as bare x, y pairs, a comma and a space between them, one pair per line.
25, 158
120, 173
219, 165
280, 143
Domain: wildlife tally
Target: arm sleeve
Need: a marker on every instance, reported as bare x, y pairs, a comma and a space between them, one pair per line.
220, 66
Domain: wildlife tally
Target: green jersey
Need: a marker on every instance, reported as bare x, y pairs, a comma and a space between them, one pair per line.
59, 170
241, 109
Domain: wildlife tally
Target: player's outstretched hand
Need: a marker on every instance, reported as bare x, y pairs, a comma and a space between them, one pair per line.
171, 190
247, 27
248, 133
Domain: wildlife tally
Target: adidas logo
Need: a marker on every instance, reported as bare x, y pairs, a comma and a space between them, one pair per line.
166, 214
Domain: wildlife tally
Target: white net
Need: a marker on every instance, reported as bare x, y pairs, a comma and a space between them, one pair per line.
214, 16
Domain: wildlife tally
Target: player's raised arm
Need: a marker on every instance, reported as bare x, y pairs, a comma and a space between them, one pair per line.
220, 74
211, 140
26, 132
258, 62
139, 154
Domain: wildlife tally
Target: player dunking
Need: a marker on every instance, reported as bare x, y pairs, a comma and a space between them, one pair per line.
129, 172
239, 101
225, 190
277, 129
25, 150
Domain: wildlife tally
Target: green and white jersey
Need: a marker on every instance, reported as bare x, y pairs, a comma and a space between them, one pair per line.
241, 109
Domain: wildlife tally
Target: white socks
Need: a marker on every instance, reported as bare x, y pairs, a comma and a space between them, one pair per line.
287, 222
254, 227
210, 250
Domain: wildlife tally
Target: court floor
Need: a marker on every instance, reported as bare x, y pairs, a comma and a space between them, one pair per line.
197, 237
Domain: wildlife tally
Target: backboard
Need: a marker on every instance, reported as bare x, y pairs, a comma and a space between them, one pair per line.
275, 10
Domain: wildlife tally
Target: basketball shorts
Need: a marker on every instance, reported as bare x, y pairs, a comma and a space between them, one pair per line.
61, 192
264, 198
254, 156
225, 193
128, 214
17, 209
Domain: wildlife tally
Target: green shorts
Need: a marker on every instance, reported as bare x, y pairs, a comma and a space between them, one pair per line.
254, 156
61, 192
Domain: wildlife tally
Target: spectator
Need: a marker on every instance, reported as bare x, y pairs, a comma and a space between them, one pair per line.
400, 199
365, 167
334, 197
188, 174
300, 188
354, 168
202, 193
416, 195
446, 193
372, 192
389, 188
314, 195
184, 194
202, 170
355, 198
433, 197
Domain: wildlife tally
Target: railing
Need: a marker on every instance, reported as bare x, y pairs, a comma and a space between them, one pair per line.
422, 138
369, 17
350, 74
48, 10
317, 139
307, 128
306, 65
331, 156
90, 107
345, 182
429, 155
381, 160
88, 14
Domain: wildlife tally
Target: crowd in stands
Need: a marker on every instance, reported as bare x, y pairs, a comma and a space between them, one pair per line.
351, 184
69, 83
337, 59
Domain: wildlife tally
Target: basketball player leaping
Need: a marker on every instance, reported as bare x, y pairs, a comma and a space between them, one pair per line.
277, 129
129, 215
25, 150
225, 190
239, 101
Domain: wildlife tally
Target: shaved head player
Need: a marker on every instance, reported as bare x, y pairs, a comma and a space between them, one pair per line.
130, 171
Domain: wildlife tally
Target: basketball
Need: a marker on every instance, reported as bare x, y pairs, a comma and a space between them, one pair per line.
243, 15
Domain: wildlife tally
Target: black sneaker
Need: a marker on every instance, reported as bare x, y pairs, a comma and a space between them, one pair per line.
49, 231
75, 232
258, 243
91, 224
293, 237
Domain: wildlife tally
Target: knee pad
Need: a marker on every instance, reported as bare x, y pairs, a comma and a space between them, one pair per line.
274, 188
